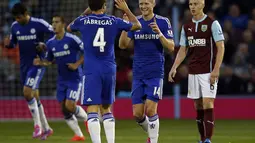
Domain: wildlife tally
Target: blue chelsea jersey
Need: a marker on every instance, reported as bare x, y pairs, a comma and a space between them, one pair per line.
149, 59
64, 51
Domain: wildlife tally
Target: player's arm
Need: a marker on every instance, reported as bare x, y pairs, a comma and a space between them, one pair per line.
47, 60
165, 36
46, 27
11, 41
39, 62
74, 66
122, 5
73, 26
86, 12
126, 38
219, 40
78, 44
180, 56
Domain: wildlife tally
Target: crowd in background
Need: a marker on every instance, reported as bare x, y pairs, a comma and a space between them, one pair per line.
237, 19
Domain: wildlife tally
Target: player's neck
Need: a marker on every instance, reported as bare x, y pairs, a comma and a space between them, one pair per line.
199, 16
60, 35
148, 17
27, 19
97, 12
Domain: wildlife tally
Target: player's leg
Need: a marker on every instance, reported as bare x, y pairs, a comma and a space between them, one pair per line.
28, 78
153, 90
47, 130
208, 94
92, 99
73, 95
71, 120
108, 122
70, 106
33, 107
108, 97
198, 103
194, 93
208, 105
138, 99
37, 74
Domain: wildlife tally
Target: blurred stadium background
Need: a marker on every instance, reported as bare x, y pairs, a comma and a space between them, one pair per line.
236, 88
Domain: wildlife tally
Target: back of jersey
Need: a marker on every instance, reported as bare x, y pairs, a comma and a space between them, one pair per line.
98, 35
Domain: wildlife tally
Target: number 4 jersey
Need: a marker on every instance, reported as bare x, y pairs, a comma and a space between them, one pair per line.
98, 35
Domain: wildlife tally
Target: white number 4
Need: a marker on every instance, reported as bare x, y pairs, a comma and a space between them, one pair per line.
99, 39
157, 91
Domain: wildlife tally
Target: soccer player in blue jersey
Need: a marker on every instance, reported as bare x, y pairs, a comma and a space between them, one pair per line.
99, 32
27, 31
65, 48
148, 65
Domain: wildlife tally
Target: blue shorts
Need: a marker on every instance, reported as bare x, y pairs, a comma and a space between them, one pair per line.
98, 89
32, 76
68, 91
143, 89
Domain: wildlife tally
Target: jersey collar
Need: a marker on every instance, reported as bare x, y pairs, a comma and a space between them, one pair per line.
197, 21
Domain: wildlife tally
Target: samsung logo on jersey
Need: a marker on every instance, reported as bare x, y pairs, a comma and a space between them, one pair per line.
26, 37
146, 36
62, 53
97, 22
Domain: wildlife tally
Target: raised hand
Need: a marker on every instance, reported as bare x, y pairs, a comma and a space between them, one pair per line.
154, 26
122, 5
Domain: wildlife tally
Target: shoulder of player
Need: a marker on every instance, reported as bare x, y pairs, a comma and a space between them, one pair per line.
51, 39
162, 18
139, 17
40, 21
14, 23
73, 37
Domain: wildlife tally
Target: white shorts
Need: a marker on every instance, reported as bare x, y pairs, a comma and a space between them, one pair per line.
199, 86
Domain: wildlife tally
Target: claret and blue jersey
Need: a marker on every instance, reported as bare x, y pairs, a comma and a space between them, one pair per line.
98, 35
27, 36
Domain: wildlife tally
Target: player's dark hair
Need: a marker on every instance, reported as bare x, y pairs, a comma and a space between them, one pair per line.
62, 19
95, 5
19, 9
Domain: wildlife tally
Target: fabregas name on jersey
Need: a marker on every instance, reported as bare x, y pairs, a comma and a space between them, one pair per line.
98, 22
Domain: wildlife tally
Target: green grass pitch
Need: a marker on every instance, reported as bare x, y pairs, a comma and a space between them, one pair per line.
127, 131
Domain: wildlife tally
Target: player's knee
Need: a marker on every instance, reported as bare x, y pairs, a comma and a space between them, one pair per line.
151, 108
27, 93
67, 114
150, 111
93, 108
208, 103
70, 106
105, 109
138, 115
198, 104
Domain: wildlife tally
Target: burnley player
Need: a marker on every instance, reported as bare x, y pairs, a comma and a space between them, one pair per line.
99, 32
65, 48
203, 39
148, 65
26, 31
